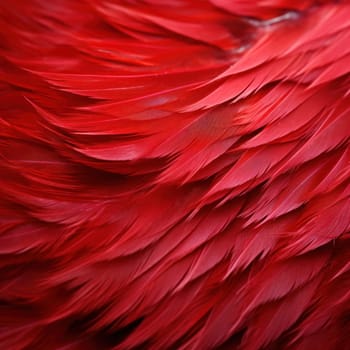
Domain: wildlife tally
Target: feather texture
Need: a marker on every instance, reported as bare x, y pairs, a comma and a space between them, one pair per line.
174, 175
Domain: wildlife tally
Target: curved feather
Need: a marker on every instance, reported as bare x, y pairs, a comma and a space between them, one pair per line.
174, 175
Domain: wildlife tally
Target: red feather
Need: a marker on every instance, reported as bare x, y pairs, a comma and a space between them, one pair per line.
174, 175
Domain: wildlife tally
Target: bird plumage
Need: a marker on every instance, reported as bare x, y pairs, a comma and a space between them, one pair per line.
174, 175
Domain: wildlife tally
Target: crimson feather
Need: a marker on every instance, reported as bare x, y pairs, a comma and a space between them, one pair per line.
174, 175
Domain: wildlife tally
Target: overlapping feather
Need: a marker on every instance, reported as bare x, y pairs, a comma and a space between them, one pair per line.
174, 174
